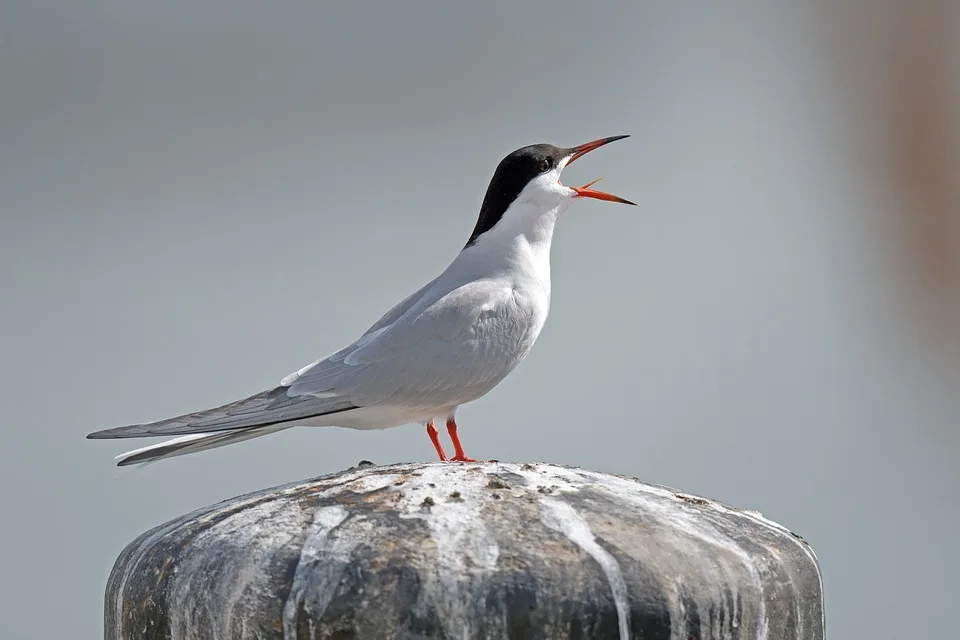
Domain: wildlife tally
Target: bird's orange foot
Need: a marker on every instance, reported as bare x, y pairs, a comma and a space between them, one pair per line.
459, 455
435, 439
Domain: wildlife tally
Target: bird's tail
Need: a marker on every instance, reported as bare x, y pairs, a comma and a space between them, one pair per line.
193, 443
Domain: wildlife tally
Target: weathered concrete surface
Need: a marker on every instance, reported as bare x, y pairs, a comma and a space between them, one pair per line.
484, 550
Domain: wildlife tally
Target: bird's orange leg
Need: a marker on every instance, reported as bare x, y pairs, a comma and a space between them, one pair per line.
459, 455
435, 439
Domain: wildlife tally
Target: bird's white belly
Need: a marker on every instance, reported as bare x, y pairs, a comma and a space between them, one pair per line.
374, 417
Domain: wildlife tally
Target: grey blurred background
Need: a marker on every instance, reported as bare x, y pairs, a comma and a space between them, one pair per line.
198, 198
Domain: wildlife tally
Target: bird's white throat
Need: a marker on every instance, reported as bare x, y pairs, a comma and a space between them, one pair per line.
517, 246
521, 239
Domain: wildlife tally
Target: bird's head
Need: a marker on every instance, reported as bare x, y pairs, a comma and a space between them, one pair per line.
536, 169
532, 175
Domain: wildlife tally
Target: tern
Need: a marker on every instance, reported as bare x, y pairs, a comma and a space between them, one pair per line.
447, 344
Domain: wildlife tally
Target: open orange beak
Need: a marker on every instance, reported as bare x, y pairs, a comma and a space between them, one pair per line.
585, 191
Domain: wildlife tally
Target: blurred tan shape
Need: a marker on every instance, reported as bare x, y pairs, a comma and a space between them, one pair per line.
924, 134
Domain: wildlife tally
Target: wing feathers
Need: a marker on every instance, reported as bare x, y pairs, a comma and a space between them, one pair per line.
263, 409
191, 444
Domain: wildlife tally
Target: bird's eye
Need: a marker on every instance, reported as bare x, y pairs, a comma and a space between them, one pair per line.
546, 164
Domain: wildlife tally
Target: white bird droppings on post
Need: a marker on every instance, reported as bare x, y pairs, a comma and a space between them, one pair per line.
466, 550
699, 532
321, 553
563, 518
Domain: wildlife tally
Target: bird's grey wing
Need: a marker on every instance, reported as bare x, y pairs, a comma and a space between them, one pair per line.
267, 408
434, 354
390, 317
273, 406
401, 307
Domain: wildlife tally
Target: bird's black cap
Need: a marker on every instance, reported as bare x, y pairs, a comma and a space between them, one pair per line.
517, 170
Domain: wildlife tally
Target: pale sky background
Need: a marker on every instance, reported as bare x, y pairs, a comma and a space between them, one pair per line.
199, 198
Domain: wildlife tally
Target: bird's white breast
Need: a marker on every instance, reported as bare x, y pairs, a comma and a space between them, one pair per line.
513, 261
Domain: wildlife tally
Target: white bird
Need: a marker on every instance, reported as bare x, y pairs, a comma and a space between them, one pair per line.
447, 344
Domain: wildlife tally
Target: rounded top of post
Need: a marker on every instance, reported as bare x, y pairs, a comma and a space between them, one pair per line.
487, 549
